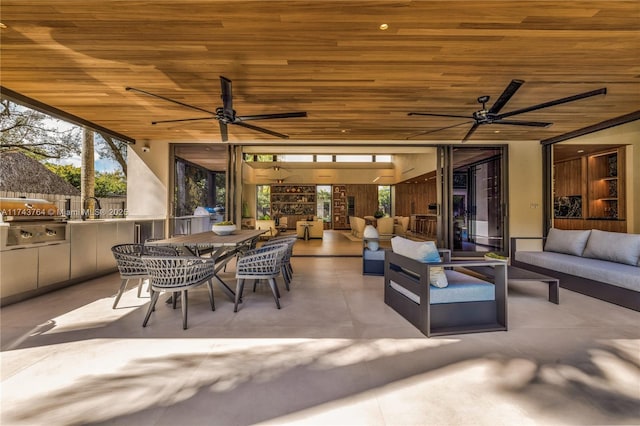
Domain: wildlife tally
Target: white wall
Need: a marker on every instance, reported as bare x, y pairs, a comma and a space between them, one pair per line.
147, 177
525, 189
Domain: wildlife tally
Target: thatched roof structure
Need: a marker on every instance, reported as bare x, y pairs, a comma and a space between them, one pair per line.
20, 173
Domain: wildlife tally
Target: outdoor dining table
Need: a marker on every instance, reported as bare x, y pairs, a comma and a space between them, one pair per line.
221, 247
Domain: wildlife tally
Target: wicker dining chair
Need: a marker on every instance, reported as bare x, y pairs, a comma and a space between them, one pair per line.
130, 266
263, 263
287, 270
178, 274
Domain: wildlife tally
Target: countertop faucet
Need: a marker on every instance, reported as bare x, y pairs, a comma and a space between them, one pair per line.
84, 215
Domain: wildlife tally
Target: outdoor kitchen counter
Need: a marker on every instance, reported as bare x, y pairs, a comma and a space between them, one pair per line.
30, 270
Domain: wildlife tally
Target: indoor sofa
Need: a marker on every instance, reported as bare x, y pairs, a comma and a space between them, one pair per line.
600, 264
313, 228
269, 225
357, 225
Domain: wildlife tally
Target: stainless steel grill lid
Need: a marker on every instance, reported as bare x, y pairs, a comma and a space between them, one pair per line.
28, 209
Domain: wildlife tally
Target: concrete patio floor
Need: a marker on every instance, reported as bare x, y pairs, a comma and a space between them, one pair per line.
335, 354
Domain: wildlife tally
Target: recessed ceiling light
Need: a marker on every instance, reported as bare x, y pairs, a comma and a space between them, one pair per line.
580, 151
3, 26
496, 131
384, 26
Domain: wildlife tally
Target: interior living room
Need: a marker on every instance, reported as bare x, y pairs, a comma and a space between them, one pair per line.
433, 211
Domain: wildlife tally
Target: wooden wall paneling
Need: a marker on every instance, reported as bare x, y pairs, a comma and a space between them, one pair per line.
366, 197
568, 178
414, 198
603, 225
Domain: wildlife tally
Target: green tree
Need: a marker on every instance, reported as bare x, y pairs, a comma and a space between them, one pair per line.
44, 137
109, 184
384, 199
263, 202
36, 134
67, 172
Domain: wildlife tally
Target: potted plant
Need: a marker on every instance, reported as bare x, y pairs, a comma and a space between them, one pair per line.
378, 214
223, 228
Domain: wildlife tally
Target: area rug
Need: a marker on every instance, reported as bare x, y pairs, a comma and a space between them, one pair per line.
351, 237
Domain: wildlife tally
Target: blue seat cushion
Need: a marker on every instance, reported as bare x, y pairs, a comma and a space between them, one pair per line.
461, 288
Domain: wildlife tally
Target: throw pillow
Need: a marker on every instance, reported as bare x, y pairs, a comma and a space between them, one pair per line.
567, 241
422, 251
613, 246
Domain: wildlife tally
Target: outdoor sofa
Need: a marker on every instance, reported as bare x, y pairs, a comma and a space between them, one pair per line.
600, 264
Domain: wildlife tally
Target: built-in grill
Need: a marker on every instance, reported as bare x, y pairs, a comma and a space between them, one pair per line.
31, 221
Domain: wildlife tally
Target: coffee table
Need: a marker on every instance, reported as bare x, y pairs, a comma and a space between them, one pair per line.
518, 274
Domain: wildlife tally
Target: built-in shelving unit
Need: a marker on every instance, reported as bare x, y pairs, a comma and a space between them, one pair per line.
606, 191
339, 196
296, 202
589, 191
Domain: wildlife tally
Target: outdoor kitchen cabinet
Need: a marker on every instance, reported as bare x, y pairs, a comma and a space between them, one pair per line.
91, 244
86, 253
24, 260
84, 240
53, 264
107, 237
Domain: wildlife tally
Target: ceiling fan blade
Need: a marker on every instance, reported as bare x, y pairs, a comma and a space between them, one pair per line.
183, 119
438, 115
272, 116
437, 130
522, 123
261, 129
227, 97
602, 91
509, 91
224, 131
169, 100
470, 132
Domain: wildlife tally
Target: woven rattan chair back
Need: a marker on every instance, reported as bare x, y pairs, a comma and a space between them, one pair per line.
262, 263
287, 270
128, 260
177, 274
130, 265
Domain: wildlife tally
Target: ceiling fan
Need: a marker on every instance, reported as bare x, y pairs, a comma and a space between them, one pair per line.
225, 114
492, 115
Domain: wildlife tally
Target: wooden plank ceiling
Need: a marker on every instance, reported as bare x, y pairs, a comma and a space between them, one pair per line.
329, 58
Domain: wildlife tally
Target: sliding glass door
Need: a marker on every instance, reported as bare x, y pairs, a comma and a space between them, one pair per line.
472, 196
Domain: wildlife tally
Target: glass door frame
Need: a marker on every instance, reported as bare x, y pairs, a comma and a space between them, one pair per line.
445, 192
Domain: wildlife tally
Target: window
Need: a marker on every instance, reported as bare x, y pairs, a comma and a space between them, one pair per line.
298, 158
383, 158
384, 199
354, 158
324, 202
196, 186
263, 201
324, 158
258, 157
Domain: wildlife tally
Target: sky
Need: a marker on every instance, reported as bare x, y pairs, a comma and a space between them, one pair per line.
101, 164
